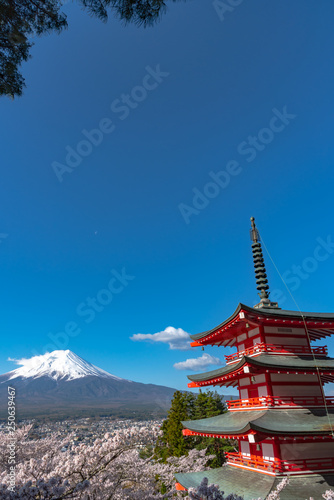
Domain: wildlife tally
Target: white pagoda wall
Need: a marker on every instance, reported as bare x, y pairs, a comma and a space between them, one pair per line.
295, 385
285, 336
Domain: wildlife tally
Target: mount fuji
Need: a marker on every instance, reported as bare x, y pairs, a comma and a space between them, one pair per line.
58, 365
61, 383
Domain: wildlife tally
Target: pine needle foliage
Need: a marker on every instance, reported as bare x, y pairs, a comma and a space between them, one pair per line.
22, 20
189, 406
140, 12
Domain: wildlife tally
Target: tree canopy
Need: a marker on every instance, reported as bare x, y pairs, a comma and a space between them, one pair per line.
140, 12
21, 20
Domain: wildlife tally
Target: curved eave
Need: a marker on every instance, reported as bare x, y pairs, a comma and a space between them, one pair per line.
267, 422
269, 362
249, 484
220, 372
225, 424
322, 321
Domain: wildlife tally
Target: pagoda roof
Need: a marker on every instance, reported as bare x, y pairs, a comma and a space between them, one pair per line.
269, 362
269, 422
275, 314
251, 484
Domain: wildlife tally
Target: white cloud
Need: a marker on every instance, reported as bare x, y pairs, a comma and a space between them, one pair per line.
196, 364
176, 338
18, 361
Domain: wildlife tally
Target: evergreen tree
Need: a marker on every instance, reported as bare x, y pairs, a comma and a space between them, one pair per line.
190, 399
187, 406
172, 442
201, 406
210, 404
215, 404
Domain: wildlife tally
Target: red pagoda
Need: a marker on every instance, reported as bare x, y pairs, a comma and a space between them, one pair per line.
283, 422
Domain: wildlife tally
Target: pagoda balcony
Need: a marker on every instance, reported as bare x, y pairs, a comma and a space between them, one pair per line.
277, 466
279, 402
291, 350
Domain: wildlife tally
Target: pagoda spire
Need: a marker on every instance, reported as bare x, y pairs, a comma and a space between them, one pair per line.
260, 269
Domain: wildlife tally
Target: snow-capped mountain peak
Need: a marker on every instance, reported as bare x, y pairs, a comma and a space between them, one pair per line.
57, 365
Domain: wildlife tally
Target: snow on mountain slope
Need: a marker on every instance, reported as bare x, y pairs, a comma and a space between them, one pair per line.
58, 365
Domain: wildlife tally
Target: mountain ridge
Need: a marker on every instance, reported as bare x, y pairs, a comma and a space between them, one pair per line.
61, 379
57, 364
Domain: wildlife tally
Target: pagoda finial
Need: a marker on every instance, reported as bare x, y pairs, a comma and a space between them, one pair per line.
260, 269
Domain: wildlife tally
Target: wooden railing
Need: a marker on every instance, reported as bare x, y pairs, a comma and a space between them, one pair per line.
273, 401
281, 466
277, 349
253, 461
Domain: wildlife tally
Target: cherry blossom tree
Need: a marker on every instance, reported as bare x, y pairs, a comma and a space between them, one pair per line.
109, 468
328, 495
209, 492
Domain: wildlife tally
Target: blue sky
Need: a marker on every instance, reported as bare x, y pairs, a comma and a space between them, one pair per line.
246, 99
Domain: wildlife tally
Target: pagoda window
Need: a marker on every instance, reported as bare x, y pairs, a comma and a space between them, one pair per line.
289, 332
263, 391
244, 381
268, 451
282, 377
241, 337
253, 332
286, 341
244, 393
306, 450
296, 390
241, 341
260, 379
284, 385
245, 448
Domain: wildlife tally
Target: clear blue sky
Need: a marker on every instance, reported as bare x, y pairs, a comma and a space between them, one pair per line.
222, 83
